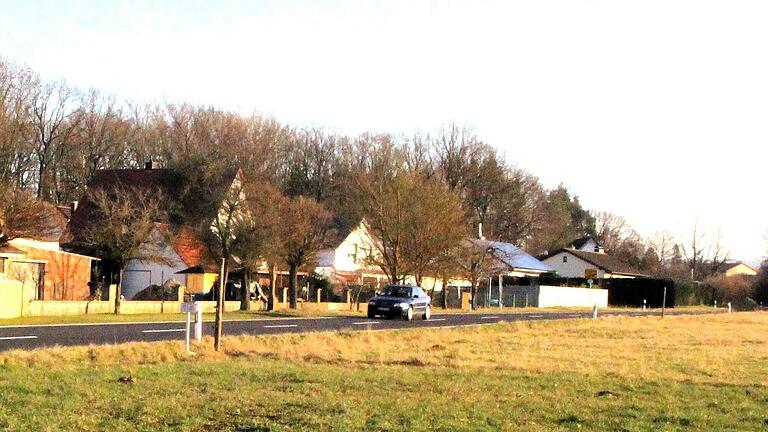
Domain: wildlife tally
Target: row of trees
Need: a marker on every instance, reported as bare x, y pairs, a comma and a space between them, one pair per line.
418, 193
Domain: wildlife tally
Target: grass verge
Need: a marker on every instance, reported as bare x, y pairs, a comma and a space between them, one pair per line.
616, 373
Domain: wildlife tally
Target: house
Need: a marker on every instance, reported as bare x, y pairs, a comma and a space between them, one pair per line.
342, 259
737, 269
576, 263
587, 244
183, 255
45, 271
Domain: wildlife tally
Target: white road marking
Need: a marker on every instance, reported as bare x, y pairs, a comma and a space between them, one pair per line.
366, 322
535, 316
17, 337
574, 316
488, 317
436, 319
163, 331
281, 326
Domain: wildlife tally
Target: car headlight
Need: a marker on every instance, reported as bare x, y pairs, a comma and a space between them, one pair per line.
403, 305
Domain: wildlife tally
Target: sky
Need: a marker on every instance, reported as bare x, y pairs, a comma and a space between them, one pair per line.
653, 110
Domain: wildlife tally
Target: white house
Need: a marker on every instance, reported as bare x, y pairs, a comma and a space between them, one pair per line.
343, 259
587, 244
592, 265
738, 269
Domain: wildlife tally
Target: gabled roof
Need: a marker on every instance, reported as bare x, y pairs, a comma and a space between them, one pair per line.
7, 249
165, 181
579, 243
730, 265
603, 261
191, 249
512, 257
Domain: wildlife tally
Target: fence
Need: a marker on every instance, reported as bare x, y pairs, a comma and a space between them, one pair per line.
542, 296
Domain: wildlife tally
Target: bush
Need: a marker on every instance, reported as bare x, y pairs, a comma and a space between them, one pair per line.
169, 291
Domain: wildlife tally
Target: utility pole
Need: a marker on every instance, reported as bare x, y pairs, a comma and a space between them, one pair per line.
664, 302
219, 308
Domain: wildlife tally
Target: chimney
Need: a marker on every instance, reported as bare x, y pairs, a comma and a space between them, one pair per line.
148, 165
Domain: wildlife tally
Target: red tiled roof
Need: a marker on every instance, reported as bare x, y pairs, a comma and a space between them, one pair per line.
190, 248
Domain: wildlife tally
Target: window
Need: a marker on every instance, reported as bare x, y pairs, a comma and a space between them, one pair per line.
565, 258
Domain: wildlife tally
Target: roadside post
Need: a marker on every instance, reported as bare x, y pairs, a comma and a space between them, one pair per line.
198, 321
594, 312
729, 307
664, 302
643, 304
188, 308
715, 304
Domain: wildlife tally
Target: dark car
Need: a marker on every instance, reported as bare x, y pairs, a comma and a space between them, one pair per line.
400, 301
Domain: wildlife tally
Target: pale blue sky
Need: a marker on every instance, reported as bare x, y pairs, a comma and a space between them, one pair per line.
655, 110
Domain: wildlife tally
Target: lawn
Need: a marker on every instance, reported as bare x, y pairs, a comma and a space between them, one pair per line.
612, 374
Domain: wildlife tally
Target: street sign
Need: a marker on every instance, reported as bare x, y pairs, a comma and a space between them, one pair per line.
188, 307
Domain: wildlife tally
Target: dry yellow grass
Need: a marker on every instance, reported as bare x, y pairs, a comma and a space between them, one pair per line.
703, 349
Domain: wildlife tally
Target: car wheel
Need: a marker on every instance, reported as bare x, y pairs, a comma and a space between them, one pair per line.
371, 314
427, 313
409, 314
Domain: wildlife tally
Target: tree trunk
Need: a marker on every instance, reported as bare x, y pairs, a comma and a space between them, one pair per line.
293, 284
272, 287
474, 293
119, 293
445, 292
220, 306
245, 301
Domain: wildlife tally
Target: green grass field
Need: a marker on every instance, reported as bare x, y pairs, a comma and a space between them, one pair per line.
686, 373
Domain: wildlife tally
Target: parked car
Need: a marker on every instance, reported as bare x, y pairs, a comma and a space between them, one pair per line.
400, 301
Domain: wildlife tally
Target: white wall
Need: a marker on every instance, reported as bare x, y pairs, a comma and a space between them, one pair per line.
550, 296
575, 267
139, 275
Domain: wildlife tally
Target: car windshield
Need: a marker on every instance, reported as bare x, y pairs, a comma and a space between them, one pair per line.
397, 291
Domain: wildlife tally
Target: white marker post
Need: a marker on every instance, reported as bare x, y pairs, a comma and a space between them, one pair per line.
729, 307
715, 304
188, 308
198, 321
643, 304
594, 312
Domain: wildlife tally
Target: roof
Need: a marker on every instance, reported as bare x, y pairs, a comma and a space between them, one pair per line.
579, 243
165, 181
728, 266
191, 249
603, 261
10, 250
512, 256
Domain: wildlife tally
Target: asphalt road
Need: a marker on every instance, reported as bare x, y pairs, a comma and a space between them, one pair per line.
38, 336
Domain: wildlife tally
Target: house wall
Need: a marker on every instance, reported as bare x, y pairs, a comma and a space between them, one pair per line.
10, 298
741, 269
139, 275
66, 274
200, 283
351, 253
575, 267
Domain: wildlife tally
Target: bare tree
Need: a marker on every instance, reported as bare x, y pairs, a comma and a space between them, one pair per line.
22, 215
304, 226
126, 224
55, 115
